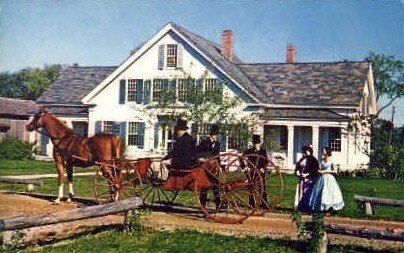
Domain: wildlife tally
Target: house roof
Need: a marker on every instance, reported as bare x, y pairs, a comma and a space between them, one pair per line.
212, 51
329, 84
302, 114
73, 84
12, 107
319, 84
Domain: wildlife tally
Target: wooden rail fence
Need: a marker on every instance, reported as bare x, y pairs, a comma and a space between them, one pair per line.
368, 201
31, 183
21, 222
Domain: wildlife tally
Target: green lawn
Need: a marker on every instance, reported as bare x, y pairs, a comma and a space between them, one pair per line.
177, 241
349, 186
13, 167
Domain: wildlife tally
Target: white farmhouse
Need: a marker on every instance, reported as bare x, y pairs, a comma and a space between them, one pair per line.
297, 103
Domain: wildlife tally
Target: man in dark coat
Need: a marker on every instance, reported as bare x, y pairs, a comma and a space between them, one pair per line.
183, 154
210, 147
260, 162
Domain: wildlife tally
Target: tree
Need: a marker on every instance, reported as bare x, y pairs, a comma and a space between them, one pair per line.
204, 105
387, 157
388, 75
28, 83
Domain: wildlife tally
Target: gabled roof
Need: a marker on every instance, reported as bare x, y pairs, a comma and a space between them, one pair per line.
12, 107
73, 84
334, 84
206, 48
318, 84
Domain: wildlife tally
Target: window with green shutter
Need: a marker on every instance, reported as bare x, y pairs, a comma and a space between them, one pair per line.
135, 90
136, 134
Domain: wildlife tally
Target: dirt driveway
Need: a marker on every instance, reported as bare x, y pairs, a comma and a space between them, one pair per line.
271, 225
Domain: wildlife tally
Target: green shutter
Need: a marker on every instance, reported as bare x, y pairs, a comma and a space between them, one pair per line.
122, 91
172, 88
180, 50
139, 91
98, 127
147, 91
161, 57
142, 128
223, 142
194, 130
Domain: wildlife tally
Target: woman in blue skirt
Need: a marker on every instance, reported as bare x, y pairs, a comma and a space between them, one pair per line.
326, 195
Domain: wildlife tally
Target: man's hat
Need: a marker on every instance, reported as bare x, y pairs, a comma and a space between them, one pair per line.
181, 124
214, 130
256, 139
308, 148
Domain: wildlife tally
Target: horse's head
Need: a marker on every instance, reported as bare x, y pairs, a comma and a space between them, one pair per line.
38, 120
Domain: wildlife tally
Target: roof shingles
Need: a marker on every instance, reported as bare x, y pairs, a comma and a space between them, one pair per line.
73, 84
329, 84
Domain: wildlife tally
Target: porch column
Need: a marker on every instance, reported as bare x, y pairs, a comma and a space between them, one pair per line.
315, 139
344, 147
291, 134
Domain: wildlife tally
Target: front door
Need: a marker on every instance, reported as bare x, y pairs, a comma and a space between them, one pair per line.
303, 137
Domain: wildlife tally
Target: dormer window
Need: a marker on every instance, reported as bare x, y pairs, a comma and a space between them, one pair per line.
171, 56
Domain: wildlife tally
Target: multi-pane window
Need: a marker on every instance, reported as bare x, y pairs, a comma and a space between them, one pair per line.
132, 89
182, 89
108, 127
210, 84
157, 89
171, 55
334, 138
136, 134
233, 142
135, 90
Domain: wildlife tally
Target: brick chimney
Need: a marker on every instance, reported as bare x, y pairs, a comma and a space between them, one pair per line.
290, 53
133, 51
227, 44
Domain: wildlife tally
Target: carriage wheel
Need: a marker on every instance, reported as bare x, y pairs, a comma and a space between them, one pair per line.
116, 181
273, 181
151, 184
240, 187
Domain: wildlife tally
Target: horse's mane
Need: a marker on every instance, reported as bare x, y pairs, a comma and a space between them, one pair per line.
59, 124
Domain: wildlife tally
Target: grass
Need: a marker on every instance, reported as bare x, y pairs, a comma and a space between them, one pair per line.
25, 167
176, 241
350, 186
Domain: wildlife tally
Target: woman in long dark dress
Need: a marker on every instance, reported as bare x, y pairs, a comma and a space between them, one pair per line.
307, 172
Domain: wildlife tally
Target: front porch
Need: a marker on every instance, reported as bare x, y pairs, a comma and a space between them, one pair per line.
288, 139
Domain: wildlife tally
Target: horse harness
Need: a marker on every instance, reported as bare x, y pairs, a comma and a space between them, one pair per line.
70, 141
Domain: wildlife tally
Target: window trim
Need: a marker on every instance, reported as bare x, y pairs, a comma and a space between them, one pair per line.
171, 48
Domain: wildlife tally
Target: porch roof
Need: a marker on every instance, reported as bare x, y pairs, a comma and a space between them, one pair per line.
302, 114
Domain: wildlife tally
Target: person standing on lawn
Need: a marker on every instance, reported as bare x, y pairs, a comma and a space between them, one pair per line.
307, 172
210, 147
258, 156
326, 195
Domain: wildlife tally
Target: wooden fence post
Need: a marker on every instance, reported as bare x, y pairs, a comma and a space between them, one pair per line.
368, 208
322, 244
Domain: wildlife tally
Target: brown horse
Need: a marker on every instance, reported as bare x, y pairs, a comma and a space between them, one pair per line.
69, 150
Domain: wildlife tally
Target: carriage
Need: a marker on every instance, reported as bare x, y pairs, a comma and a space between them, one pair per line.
237, 182
242, 188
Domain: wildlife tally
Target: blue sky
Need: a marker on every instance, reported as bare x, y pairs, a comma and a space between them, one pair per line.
34, 33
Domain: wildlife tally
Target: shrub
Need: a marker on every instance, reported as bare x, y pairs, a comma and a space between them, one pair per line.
14, 149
